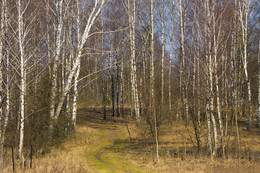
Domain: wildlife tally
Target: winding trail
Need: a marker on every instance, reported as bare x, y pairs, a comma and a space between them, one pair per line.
111, 136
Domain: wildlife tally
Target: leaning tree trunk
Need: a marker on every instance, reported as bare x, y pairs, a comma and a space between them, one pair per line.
92, 17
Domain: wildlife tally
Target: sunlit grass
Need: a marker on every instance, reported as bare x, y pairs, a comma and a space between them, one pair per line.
77, 153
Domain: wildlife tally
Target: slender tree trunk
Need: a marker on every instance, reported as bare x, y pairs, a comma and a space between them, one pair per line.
122, 86
134, 91
4, 119
171, 58
209, 125
197, 53
48, 36
258, 122
112, 84
118, 86
74, 107
215, 49
103, 65
23, 78
136, 98
1, 85
152, 100
243, 12
224, 100
69, 61
55, 65
8, 75
198, 101
183, 82
162, 72
210, 73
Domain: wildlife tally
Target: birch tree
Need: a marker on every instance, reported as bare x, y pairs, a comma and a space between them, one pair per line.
243, 17
58, 30
162, 72
152, 100
183, 82
21, 37
8, 75
171, 57
135, 99
98, 5
74, 108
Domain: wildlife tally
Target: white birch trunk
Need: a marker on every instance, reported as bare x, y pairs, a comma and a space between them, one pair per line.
209, 125
183, 82
74, 106
48, 36
118, 86
68, 61
162, 72
23, 78
122, 87
209, 106
7, 48
243, 13
210, 15
94, 13
55, 63
224, 102
171, 58
197, 52
152, 104
215, 49
134, 89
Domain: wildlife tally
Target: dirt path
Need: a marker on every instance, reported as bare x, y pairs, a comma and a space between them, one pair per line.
111, 136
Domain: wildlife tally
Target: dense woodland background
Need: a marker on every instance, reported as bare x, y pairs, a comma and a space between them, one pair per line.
191, 61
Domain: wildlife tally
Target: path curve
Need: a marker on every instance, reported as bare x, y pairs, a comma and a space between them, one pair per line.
111, 136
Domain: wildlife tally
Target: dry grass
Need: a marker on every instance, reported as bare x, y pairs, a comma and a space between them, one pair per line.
67, 157
177, 151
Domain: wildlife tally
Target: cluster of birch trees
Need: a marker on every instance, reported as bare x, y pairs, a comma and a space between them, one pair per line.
204, 74
191, 60
42, 44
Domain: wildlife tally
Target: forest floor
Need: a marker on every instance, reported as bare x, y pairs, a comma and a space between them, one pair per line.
117, 145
